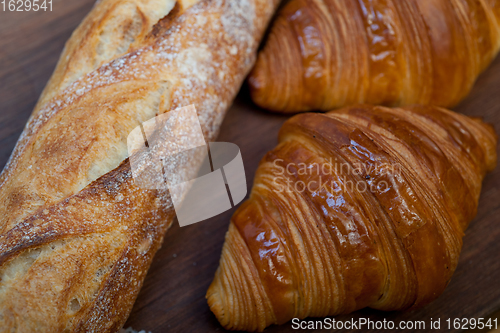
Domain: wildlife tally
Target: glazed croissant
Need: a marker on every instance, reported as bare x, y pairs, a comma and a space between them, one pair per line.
325, 54
363, 207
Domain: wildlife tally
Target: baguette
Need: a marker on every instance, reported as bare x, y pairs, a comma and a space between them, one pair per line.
77, 234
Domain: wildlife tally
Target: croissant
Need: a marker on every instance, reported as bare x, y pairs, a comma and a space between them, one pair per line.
362, 207
325, 54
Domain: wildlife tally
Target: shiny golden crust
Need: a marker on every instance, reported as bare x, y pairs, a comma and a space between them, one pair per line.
362, 207
325, 54
77, 236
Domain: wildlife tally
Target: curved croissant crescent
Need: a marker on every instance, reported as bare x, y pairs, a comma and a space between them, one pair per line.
362, 207
325, 54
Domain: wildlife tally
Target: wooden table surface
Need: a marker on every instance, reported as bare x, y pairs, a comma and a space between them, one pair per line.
173, 296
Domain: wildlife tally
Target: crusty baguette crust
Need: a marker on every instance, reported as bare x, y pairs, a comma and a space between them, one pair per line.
77, 235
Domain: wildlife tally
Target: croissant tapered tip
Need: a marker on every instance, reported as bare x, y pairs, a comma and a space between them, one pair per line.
491, 148
258, 81
214, 300
235, 279
273, 78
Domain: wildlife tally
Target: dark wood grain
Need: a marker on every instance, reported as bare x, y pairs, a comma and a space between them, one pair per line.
173, 296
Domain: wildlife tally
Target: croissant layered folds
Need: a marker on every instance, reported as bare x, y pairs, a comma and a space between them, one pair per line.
361, 207
325, 54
